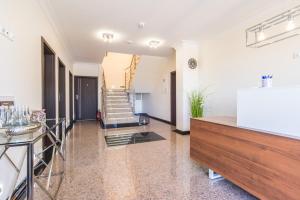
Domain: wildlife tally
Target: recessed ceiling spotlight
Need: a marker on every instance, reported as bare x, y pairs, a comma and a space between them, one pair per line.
108, 37
154, 44
141, 25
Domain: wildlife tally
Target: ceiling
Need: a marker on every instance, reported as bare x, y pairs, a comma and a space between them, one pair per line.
170, 21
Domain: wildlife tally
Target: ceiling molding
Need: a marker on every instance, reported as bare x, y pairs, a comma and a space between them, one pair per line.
49, 13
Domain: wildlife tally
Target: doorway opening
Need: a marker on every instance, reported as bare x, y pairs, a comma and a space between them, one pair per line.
61, 92
48, 93
71, 98
86, 98
62, 89
173, 98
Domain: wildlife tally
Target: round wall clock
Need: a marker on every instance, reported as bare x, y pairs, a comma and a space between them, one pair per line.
192, 63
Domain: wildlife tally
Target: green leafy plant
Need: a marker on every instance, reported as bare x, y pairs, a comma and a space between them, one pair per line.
197, 103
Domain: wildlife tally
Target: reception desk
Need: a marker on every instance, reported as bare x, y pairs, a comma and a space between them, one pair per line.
262, 163
274, 110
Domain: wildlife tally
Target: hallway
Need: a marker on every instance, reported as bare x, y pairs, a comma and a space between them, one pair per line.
153, 170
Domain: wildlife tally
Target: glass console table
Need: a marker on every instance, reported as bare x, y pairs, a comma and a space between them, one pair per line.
38, 171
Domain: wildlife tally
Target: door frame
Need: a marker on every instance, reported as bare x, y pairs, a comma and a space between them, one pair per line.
76, 104
71, 98
173, 73
44, 44
61, 64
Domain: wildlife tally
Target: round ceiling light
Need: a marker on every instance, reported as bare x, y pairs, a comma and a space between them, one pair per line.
108, 37
129, 42
141, 25
154, 44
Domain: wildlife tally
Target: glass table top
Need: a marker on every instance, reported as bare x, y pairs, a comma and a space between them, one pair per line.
18, 140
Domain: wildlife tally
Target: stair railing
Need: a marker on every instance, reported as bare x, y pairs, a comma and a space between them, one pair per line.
129, 76
131, 98
130, 72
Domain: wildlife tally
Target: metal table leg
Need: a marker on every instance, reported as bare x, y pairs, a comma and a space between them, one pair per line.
30, 171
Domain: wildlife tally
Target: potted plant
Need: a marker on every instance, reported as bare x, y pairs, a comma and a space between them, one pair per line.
197, 103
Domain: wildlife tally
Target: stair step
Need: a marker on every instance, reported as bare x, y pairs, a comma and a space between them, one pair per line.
128, 109
117, 105
121, 120
116, 94
115, 90
117, 100
118, 110
120, 115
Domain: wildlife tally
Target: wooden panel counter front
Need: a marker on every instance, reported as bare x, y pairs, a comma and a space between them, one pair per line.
264, 164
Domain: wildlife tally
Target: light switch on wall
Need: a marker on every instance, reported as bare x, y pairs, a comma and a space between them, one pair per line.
296, 55
6, 33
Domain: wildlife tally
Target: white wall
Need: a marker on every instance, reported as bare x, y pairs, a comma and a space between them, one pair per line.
227, 65
90, 69
100, 85
20, 63
153, 78
114, 65
86, 69
187, 80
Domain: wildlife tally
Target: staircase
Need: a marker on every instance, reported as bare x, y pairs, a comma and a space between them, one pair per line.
118, 104
118, 110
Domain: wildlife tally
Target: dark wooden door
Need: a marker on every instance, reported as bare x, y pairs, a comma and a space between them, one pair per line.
61, 94
48, 93
62, 90
86, 98
173, 98
71, 97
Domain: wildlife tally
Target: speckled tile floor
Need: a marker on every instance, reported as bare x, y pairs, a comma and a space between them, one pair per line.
146, 171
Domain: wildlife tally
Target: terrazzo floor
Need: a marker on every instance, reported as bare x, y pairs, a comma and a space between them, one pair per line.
160, 170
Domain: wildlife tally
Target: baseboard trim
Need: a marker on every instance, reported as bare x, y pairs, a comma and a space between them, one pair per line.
161, 120
69, 128
109, 126
181, 132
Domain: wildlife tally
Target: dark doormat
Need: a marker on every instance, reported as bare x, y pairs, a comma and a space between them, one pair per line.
133, 138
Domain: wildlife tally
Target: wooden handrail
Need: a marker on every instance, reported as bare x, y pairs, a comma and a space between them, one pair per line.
129, 71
